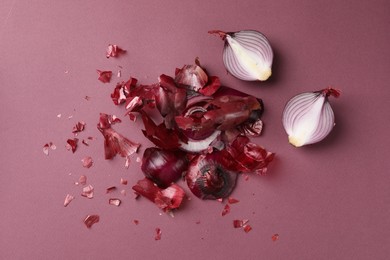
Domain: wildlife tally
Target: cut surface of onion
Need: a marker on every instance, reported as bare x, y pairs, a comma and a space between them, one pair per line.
247, 54
308, 117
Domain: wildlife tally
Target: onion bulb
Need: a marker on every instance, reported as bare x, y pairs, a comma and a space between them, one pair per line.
308, 117
163, 166
212, 176
247, 54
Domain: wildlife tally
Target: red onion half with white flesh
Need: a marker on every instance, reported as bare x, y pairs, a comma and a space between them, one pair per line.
308, 117
247, 54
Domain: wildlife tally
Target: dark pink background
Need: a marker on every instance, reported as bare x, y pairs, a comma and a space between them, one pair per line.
326, 201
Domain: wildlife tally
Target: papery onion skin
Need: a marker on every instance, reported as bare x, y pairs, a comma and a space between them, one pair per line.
163, 167
212, 176
308, 117
247, 54
166, 199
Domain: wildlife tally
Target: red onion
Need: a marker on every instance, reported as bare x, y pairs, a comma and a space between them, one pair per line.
212, 176
163, 166
308, 117
247, 54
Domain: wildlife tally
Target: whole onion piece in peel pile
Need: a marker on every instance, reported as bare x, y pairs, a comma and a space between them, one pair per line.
212, 176
163, 166
247, 54
308, 117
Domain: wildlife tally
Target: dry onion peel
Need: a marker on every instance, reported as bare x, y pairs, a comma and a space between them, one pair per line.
308, 117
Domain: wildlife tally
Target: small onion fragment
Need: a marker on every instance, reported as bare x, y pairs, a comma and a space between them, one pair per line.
71, 144
114, 50
308, 117
90, 220
158, 234
68, 199
247, 54
88, 192
104, 76
87, 161
114, 202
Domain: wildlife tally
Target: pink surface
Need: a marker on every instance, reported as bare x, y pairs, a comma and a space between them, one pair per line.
326, 201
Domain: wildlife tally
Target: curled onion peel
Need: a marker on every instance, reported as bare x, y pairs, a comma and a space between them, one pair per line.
308, 117
247, 54
166, 199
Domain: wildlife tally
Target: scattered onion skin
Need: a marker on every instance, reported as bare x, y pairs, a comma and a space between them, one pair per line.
163, 167
247, 54
308, 117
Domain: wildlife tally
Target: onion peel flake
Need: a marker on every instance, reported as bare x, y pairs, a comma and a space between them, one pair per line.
166, 199
115, 143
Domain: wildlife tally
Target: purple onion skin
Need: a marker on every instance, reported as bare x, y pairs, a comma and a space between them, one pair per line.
255, 115
163, 167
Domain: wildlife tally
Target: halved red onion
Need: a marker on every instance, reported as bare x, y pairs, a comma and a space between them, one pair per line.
247, 54
308, 117
211, 176
163, 166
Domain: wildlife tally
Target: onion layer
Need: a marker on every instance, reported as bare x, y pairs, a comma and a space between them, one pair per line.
308, 117
247, 54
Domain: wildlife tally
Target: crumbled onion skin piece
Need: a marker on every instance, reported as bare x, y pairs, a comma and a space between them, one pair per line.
232, 200
110, 189
158, 234
247, 228
104, 76
90, 220
68, 199
72, 144
79, 127
114, 50
226, 210
115, 202
275, 237
88, 192
48, 146
87, 162
82, 180
123, 181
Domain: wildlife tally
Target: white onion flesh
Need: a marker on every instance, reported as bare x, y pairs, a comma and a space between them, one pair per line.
199, 145
248, 55
308, 118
